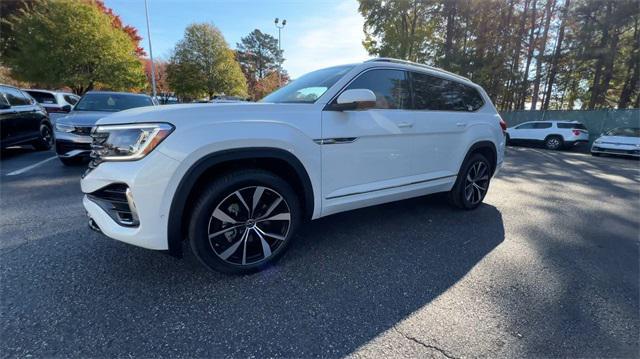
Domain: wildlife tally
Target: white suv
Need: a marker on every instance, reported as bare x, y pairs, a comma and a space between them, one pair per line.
554, 135
238, 179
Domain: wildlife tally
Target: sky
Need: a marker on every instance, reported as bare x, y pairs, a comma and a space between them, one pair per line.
318, 33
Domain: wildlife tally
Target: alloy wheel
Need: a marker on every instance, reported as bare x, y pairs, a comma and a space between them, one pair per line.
553, 143
46, 135
249, 225
476, 182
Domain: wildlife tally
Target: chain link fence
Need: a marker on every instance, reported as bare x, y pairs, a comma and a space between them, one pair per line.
596, 121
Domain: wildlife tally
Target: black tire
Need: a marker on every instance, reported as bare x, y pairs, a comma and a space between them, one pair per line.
234, 195
46, 140
71, 161
553, 143
507, 140
459, 194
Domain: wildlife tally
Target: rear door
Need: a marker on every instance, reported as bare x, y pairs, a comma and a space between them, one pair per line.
443, 112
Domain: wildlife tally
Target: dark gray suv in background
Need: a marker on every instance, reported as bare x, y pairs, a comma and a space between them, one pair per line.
23, 121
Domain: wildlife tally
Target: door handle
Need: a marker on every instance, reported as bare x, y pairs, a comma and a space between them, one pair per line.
461, 124
405, 124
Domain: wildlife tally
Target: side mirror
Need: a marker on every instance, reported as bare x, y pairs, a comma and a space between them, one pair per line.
4, 106
66, 108
355, 99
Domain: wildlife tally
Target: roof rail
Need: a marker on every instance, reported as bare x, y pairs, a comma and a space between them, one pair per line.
405, 62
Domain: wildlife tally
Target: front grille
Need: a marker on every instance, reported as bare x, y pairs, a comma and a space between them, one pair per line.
82, 130
113, 200
63, 147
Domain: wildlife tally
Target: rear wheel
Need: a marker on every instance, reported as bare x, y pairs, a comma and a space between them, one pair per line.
553, 143
46, 138
472, 184
244, 221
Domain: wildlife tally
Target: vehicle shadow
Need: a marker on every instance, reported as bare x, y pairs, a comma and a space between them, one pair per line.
346, 279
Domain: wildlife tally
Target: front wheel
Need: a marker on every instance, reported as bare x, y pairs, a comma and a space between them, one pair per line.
472, 183
244, 221
46, 138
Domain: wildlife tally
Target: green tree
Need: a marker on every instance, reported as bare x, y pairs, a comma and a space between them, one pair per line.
72, 44
259, 57
203, 64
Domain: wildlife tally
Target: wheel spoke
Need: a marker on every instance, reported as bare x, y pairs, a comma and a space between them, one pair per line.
276, 236
266, 250
256, 198
234, 247
273, 206
478, 187
223, 216
239, 195
223, 231
277, 217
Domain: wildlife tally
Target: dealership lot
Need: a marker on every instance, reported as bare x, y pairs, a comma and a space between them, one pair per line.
547, 267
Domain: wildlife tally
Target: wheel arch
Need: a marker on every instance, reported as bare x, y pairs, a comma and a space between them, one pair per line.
487, 149
279, 161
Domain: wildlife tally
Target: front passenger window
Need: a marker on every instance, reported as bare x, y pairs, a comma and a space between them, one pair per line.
390, 86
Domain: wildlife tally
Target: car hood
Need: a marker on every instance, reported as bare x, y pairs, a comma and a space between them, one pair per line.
186, 114
83, 118
620, 139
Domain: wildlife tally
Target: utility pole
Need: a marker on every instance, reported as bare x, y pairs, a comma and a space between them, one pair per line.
153, 66
284, 22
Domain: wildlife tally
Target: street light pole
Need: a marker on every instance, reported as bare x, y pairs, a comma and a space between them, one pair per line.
284, 22
153, 66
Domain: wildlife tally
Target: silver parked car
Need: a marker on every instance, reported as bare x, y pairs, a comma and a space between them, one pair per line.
72, 132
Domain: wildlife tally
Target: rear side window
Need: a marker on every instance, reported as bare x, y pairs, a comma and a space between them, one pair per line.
390, 86
15, 97
44, 98
525, 126
72, 100
540, 125
436, 94
578, 126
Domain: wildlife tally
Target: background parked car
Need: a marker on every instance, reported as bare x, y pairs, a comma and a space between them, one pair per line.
623, 141
56, 103
72, 132
554, 135
23, 120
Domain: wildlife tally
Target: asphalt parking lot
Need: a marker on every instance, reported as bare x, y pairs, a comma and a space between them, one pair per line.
547, 267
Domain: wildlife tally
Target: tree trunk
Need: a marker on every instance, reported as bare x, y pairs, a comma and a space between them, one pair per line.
541, 49
633, 70
450, 8
556, 56
596, 89
525, 82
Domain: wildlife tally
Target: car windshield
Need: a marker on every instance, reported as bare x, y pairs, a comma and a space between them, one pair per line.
309, 87
111, 102
624, 132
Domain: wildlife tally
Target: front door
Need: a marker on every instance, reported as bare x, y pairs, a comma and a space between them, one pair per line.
367, 151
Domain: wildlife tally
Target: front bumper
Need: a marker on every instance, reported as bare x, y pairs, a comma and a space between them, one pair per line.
72, 145
147, 180
613, 149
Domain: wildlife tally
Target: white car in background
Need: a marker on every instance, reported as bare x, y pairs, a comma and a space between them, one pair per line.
623, 141
56, 103
554, 135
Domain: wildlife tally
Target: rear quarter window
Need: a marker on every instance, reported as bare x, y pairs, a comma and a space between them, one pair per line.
437, 94
578, 126
44, 98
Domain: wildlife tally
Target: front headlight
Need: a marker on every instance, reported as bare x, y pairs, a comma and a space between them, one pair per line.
127, 142
598, 141
63, 127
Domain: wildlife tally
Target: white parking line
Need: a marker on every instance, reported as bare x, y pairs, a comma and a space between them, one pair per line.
28, 168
